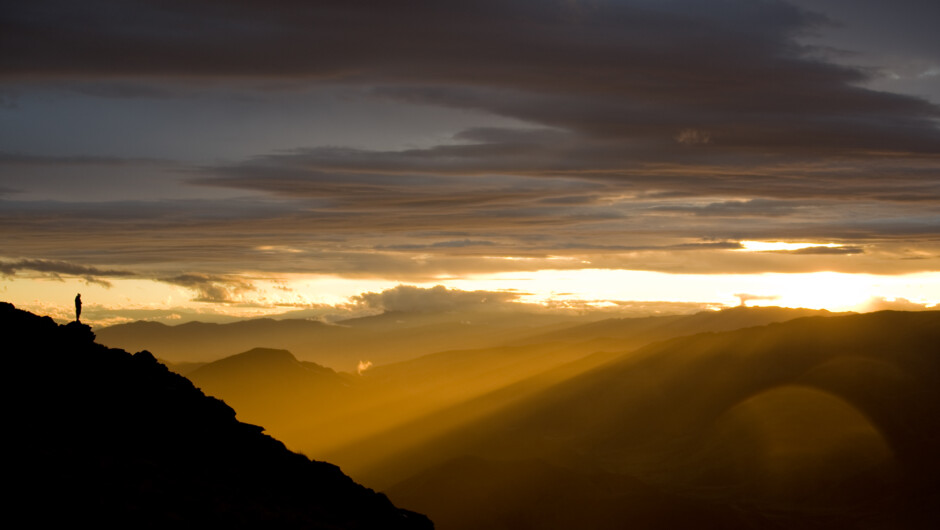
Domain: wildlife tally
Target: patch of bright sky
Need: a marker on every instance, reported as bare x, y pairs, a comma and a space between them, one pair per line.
770, 246
819, 290
46, 296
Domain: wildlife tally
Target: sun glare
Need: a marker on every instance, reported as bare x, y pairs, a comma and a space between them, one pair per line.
598, 288
818, 290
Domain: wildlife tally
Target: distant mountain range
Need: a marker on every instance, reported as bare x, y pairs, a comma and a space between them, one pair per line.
320, 412
747, 418
728, 419
380, 339
399, 336
102, 437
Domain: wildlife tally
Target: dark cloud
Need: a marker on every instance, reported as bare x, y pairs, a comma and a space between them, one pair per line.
644, 128
646, 73
212, 288
434, 299
575, 167
57, 268
24, 159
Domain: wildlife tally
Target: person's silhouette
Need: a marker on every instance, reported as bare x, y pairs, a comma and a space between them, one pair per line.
78, 307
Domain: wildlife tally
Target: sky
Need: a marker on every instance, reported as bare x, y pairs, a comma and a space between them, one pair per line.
214, 159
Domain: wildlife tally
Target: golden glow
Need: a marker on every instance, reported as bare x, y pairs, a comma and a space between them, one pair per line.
818, 290
585, 287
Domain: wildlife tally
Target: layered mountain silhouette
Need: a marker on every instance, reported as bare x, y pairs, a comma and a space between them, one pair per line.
382, 339
399, 336
818, 422
326, 416
100, 436
273, 386
814, 423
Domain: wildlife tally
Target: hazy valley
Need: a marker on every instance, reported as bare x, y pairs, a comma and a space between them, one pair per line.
744, 418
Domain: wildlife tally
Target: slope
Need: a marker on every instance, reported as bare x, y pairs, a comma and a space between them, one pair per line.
116, 439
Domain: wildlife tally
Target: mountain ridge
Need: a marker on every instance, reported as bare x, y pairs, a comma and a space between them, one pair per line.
398, 336
107, 436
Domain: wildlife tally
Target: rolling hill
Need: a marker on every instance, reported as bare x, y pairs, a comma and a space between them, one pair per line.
813, 423
381, 339
400, 336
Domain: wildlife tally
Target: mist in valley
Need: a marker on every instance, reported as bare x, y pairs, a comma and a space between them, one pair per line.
742, 418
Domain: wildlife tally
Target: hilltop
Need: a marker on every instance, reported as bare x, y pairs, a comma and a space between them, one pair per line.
103, 436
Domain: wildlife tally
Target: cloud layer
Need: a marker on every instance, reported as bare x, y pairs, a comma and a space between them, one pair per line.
650, 135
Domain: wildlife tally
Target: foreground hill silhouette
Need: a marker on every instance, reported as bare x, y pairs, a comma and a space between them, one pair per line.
104, 437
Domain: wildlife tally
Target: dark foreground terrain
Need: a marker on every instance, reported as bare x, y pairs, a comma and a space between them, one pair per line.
100, 436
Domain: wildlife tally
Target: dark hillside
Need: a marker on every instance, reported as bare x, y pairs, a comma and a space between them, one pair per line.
103, 436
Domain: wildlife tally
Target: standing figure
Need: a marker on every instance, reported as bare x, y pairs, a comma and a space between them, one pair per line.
78, 307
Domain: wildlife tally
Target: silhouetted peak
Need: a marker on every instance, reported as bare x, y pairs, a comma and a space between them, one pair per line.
146, 356
253, 361
270, 355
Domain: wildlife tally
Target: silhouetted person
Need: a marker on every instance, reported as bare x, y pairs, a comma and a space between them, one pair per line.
78, 307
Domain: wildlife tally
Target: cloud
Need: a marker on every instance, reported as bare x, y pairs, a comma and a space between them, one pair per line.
157, 239
693, 137
363, 366
827, 250
213, 288
642, 129
745, 297
897, 304
453, 244
635, 71
24, 159
56, 268
749, 208
408, 298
